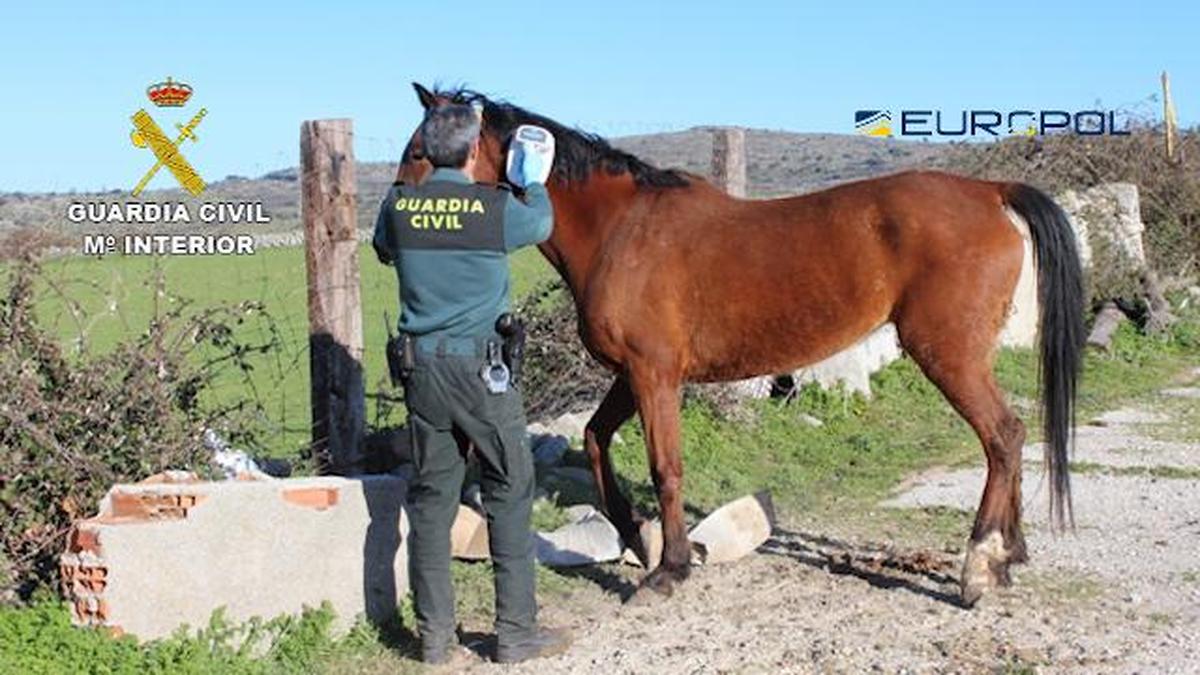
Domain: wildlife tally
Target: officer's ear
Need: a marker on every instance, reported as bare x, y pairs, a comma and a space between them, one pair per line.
425, 96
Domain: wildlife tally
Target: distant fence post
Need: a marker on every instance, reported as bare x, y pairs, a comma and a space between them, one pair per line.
729, 160
1170, 123
335, 336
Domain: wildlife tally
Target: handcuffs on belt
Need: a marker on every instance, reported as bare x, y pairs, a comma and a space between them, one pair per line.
494, 372
502, 365
504, 361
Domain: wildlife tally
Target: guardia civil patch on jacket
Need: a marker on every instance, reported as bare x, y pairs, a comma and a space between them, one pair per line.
445, 215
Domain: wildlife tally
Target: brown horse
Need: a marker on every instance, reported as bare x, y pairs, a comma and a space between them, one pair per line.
675, 281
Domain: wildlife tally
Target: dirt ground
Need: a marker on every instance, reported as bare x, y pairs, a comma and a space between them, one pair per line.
1120, 594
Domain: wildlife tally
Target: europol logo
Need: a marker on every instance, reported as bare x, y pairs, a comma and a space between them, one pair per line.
988, 123
873, 122
147, 134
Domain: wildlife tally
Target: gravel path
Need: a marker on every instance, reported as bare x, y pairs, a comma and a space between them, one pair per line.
1121, 594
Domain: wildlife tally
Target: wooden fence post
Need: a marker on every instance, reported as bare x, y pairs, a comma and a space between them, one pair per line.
1170, 124
729, 160
334, 308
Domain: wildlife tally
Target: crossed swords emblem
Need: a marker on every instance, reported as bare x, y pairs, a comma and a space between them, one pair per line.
146, 133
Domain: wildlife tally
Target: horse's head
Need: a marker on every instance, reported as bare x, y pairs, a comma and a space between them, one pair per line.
493, 144
577, 154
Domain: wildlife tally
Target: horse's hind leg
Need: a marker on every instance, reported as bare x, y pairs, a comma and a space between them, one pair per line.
616, 408
996, 539
957, 356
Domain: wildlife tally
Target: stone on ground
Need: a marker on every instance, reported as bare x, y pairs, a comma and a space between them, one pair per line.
587, 540
469, 535
734, 530
548, 449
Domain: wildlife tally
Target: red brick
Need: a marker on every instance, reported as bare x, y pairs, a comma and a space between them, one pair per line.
313, 498
83, 539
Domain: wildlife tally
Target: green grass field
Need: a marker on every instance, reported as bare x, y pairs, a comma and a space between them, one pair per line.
114, 296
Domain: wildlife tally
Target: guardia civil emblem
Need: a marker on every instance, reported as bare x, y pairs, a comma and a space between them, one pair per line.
147, 134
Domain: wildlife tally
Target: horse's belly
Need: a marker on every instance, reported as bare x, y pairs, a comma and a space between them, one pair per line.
778, 347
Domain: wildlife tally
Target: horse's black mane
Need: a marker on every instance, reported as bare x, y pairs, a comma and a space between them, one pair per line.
577, 153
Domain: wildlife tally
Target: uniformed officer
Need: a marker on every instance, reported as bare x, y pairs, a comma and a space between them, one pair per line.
449, 238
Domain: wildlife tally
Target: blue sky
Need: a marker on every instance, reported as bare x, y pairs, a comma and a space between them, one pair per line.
73, 73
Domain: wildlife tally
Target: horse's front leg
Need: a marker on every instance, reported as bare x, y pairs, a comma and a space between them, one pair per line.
658, 400
616, 408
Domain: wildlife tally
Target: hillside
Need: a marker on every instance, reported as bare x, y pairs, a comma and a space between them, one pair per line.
783, 163
778, 163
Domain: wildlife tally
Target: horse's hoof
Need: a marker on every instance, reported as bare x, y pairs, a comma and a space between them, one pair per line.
975, 587
656, 587
971, 595
985, 568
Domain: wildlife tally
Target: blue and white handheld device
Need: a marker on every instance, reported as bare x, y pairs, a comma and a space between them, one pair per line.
530, 139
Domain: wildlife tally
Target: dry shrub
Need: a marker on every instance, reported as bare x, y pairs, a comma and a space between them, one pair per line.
28, 242
1169, 190
73, 425
560, 375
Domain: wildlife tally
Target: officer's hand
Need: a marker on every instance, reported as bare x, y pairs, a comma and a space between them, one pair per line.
531, 167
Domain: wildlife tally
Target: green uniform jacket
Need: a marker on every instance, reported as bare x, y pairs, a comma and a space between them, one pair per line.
449, 240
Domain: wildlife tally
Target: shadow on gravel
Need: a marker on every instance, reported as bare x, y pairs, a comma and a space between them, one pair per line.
483, 645
921, 572
603, 576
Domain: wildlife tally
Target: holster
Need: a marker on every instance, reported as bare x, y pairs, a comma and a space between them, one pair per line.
512, 329
400, 358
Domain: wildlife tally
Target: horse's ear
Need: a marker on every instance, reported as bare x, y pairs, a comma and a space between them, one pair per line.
425, 96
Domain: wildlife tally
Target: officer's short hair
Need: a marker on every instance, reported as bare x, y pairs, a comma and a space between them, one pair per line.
447, 134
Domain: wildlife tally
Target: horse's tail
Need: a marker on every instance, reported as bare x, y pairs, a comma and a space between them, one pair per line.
1060, 294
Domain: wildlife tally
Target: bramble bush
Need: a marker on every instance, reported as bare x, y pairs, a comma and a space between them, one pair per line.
72, 425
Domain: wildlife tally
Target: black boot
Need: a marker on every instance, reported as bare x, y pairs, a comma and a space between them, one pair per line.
545, 642
441, 651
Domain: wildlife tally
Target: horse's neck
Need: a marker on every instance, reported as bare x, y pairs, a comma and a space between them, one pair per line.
585, 214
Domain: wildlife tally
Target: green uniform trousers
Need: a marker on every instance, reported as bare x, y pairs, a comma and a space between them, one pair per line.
446, 398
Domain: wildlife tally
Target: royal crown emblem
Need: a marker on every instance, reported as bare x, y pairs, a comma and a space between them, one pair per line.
169, 94
168, 151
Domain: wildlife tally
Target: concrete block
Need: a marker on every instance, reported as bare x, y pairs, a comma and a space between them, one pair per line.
163, 554
752, 388
854, 366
